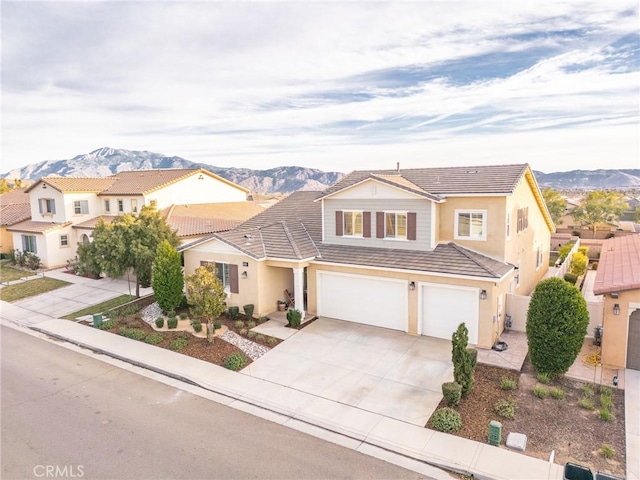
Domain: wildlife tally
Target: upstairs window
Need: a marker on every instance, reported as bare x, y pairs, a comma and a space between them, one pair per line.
120, 206
107, 206
47, 206
395, 225
134, 205
81, 207
352, 224
471, 225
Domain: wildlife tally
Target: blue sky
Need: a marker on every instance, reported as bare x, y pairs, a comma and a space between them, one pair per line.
334, 86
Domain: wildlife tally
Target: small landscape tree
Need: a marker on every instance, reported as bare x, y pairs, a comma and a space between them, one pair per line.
600, 207
168, 281
462, 368
555, 204
206, 296
579, 262
557, 322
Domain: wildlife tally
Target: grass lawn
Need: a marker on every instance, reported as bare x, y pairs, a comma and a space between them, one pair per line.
101, 307
18, 291
8, 274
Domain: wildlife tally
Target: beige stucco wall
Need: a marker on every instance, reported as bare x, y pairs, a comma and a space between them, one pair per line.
616, 327
49, 192
487, 328
193, 190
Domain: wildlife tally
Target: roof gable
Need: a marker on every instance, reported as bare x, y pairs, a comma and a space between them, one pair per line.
384, 186
74, 184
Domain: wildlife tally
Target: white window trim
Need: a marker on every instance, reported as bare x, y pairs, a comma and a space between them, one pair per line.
406, 219
134, 205
457, 213
508, 225
518, 274
79, 202
107, 206
119, 203
60, 241
227, 288
344, 229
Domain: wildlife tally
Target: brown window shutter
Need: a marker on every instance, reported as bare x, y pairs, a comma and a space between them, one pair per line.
233, 278
379, 224
411, 226
339, 223
366, 224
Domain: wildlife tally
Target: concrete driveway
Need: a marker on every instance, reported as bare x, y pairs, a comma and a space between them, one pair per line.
379, 370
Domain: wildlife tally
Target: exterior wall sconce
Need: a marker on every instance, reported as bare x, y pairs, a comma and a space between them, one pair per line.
244, 274
616, 309
44, 185
615, 294
483, 294
412, 286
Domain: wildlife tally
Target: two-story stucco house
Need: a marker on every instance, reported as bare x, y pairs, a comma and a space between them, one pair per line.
416, 250
64, 210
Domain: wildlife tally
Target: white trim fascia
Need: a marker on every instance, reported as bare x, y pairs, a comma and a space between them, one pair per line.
322, 214
293, 260
240, 252
501, 194
414, 272
432, 240
426, 194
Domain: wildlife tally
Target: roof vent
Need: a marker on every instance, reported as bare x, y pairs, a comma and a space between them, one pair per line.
472, 171
398, 167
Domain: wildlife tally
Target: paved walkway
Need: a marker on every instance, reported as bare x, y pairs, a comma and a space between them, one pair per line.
359, 429
632, 420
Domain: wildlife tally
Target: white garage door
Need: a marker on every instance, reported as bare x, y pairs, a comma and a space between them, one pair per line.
443, 308
373, 301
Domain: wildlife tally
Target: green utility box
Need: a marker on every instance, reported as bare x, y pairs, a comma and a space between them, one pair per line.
97, 320
495, 433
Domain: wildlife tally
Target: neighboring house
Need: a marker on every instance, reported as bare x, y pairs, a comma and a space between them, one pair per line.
64, 210
618, 281
14, 208
417, 250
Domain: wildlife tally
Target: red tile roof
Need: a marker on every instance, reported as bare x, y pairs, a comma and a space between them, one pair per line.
31, 226
619, 265
14, 207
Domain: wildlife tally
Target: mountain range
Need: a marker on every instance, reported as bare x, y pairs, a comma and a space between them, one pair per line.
108, 161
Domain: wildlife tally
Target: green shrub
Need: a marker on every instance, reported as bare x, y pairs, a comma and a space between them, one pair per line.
197, 327
507, 383
252, 334
606, 415
543, 378
587, 390
153, 338
294, 317
235, 361
571, 278
243, 332
594, 266
260, 338
272, 340
108, 325
160, 322
238, 324
607, 451
172, 322
606, 402
462, 369
540, 392
506, 408
557, 393
585, 403
263, 319
446, 420
178, 344
473, 356
557, 322
606, 391
584, 251
452, 392
133, 333
183, 316
251, 324
579, 262
248, 310
234, 312
217, 325
564, 250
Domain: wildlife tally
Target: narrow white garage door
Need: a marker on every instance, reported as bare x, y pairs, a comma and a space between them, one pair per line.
373, 301
443, 308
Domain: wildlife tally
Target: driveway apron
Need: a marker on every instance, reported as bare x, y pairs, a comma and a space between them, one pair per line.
378, 370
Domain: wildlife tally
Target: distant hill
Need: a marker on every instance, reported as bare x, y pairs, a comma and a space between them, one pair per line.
108, 161
590, 179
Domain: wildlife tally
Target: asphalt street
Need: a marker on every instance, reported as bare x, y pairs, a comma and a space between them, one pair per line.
68, 415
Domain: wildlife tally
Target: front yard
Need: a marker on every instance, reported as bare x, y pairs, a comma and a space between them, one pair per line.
8, 274
560, 425
30, 288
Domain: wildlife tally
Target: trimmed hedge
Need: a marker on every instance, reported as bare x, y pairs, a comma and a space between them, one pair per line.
452, 392
446, 420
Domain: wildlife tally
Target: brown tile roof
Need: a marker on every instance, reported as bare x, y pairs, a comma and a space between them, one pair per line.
92, 222
138, 182
234, 211
31, 226
619, 265
443, 181
191, 226
74, 184
292, 230
14, 207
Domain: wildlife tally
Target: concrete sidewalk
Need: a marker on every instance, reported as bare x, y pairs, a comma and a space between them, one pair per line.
632, 422
358, 429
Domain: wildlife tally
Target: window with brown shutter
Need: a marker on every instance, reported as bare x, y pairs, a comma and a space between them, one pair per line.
233, 278
379, 224
366, 224
338, 223
411, 226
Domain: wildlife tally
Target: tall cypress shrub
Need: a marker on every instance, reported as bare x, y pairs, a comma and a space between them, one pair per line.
462, 367
168, 281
